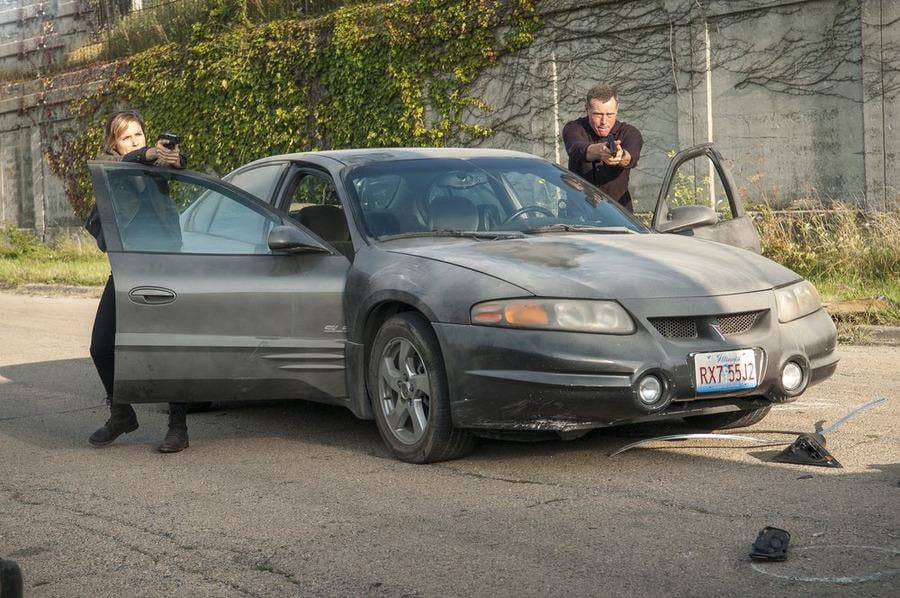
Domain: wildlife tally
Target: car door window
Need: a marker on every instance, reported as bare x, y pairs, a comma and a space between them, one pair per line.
697, 183
174, 214
314, 203
259, 181
312, 190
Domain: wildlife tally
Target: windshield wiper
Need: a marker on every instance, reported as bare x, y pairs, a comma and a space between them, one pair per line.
481, 235
581, 228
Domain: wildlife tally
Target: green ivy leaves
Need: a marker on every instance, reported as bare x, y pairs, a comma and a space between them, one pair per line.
394, 74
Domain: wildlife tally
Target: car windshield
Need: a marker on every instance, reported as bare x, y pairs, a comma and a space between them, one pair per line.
443, 196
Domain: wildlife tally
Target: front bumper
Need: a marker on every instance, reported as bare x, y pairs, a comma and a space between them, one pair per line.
546, 380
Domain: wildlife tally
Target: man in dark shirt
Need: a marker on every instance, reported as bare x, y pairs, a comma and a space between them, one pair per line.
586, 143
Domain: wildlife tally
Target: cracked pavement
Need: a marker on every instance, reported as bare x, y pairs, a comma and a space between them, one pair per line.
299, 499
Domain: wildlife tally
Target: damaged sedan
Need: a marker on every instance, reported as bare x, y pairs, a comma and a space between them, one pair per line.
452, 293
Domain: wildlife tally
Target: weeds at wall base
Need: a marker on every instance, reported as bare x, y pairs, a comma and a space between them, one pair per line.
846, 254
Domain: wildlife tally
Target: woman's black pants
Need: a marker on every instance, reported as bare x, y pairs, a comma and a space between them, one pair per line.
103, 337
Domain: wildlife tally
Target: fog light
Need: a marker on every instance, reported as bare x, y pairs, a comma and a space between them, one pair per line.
791, 376
650, 390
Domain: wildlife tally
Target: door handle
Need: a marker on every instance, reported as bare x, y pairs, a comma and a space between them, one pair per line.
151, 296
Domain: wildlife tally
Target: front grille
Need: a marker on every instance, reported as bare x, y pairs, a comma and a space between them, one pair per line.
726, 324
735, 324
675, 327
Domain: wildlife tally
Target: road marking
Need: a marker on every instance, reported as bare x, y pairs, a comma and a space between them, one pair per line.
769, 570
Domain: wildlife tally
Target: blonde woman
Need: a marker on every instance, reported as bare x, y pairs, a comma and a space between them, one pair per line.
125, 140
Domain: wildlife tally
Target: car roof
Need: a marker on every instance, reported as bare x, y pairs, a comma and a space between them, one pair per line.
381, 154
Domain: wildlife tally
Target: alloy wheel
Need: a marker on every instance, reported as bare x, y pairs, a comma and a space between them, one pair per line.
404, 390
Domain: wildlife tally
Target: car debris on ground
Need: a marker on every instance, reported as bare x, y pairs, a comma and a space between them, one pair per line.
771, 545
807, 449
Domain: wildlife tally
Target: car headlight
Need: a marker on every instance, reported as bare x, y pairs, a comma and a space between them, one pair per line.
796, 301
604, 317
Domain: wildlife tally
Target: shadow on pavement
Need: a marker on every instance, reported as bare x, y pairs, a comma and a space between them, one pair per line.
53, 412
56, 404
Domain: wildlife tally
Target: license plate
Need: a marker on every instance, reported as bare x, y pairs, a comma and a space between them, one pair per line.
725, 370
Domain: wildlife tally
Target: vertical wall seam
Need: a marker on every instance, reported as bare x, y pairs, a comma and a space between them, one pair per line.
884, 171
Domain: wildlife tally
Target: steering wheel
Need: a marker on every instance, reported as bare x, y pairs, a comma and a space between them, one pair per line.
527, 209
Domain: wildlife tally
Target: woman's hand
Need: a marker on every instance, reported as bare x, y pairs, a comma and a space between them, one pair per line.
172, 157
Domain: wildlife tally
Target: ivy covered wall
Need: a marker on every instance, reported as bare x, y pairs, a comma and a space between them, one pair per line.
395, 74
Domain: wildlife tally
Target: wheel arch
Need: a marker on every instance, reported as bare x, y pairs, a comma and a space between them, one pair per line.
374, 317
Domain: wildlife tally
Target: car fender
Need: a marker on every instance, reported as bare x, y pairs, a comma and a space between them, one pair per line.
441, 292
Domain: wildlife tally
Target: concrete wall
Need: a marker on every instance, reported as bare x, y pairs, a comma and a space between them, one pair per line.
32, 113
804, 96
36, 35
34, 39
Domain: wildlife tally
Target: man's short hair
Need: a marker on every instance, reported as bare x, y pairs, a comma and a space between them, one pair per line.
603, 92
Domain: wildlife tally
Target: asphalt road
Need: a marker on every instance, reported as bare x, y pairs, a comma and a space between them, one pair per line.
299, 499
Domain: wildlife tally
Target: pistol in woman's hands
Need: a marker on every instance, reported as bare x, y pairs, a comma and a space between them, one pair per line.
172, 157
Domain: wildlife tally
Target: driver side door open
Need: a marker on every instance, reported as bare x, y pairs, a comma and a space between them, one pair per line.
205, 310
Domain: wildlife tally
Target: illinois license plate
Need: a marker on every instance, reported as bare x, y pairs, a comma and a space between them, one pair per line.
725, 370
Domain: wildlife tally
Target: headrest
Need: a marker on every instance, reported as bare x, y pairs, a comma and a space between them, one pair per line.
453, 213
326, 221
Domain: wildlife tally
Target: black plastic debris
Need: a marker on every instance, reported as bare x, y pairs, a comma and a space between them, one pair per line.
10, 580
771, 545
808, 449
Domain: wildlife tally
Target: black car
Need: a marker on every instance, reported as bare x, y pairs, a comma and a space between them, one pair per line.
452, 292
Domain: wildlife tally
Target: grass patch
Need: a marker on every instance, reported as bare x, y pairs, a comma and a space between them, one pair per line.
73, 260
848, 255
835, 244
847, 289
852, 328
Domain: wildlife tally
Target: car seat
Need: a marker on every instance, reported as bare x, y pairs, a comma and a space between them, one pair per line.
453, 213
330, 223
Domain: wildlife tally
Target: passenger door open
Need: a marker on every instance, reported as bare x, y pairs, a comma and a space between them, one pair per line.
698, 198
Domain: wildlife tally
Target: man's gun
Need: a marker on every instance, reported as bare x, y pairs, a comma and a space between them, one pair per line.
611, 144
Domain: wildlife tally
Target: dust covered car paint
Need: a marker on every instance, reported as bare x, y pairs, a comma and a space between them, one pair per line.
448, 293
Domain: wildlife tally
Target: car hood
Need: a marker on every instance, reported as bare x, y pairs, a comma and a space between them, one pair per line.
615, 266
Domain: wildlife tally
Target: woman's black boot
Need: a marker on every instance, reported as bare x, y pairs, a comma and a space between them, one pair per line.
122, 420
177, 437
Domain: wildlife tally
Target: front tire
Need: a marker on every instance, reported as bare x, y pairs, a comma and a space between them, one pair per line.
407, 384
732, 419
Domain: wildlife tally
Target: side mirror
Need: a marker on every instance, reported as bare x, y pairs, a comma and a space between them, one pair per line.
293, 240
686, 217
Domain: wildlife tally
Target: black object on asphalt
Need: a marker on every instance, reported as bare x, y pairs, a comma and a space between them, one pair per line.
10, 580
771, 545
808, 449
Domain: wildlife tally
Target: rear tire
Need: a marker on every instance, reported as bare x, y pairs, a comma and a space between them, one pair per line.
407, 385
726, 421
